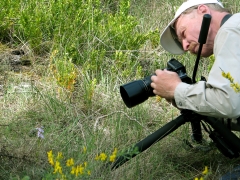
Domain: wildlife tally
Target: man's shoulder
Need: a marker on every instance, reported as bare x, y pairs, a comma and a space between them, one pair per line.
233, 21
230, 27
235, 17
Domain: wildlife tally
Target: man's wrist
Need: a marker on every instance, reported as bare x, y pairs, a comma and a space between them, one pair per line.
179, 95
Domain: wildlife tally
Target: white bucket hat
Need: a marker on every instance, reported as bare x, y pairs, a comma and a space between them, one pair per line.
168, 38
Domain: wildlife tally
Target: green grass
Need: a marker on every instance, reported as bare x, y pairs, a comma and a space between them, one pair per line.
90, 112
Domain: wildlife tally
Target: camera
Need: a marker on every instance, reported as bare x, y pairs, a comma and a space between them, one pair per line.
138, 91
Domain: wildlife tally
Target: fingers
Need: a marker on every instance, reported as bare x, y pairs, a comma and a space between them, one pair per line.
154, 77
158, 72
154, 80
164, 83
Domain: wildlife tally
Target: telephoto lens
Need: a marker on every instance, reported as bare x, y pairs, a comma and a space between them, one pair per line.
136, 92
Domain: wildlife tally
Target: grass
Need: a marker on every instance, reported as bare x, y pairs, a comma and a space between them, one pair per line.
92, 115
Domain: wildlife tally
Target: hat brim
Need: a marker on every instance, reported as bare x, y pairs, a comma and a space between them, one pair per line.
168, 42
168, 38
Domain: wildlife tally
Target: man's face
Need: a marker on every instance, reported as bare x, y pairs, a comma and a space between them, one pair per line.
188, 29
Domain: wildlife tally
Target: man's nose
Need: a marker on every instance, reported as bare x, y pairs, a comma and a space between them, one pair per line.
185, 44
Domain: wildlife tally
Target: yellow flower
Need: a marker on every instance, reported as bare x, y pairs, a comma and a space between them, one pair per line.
101, 157
50, 154
70, 162
50, 157
235, 86
89, 172
158, 98
201, 178
205, 170
77, 170
59, 156
115, 151
57, 168
80, 169
73, 170
51, 161
112, 158
228, 76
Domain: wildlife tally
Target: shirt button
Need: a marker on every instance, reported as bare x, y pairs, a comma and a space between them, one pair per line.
180, 103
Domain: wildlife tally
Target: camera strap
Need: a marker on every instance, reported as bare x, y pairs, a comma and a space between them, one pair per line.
225, 18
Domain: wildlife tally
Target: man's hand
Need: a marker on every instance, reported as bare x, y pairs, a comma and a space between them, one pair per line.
164, 83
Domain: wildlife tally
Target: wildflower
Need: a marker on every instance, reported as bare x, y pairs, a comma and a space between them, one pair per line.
70, 162
73, 170
227, 76
201, 178
89, 172
101, 157
115, 151
158, 98
50, 157
80, 169
205, 170
234, 85
59, 156
40, 132
113, 156
57, 168
77, 170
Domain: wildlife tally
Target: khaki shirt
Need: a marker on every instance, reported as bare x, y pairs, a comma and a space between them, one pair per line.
216, 97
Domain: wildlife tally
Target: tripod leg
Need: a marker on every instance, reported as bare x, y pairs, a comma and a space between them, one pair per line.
196, 130
195, 120
149, 140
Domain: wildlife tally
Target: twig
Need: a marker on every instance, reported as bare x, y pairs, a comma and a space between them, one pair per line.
79, 124
132, 119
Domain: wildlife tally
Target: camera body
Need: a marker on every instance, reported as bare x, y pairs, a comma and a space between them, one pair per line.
136, 92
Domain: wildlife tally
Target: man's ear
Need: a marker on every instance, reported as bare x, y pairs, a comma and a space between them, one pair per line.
203, 9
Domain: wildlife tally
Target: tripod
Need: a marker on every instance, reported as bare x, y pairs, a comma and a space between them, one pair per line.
225, 140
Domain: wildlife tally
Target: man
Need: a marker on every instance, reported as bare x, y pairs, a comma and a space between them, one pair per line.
215, 97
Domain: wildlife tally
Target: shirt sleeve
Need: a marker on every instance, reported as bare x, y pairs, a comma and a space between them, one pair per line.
216, 97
